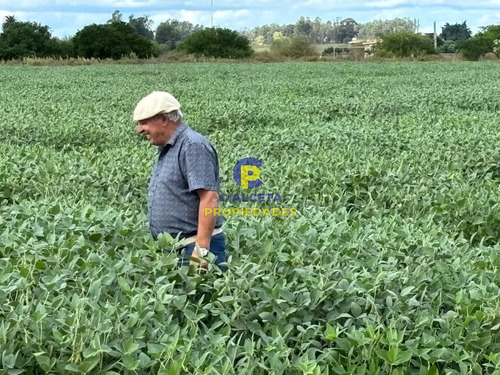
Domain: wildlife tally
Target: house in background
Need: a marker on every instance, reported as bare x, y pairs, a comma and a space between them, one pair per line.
363, 46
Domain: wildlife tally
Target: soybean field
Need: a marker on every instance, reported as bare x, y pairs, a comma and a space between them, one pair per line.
391, 264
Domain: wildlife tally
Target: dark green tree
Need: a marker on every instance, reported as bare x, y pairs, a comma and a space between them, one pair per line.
113, 40
24, 39
61, 47
303, 27
404, 44
472, 49
449, 46
9, 20
142, 26
217, 42
492, 33
455, 32
346, 30
345, 33
172, 32
488, 40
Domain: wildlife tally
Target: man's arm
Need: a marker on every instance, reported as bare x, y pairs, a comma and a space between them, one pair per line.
206, 223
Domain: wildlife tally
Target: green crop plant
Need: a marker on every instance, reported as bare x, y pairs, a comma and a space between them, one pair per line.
391, 266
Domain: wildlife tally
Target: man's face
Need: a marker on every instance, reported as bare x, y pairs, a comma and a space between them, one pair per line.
154, 129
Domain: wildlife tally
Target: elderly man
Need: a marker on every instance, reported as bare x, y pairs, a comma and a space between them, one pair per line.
185, 180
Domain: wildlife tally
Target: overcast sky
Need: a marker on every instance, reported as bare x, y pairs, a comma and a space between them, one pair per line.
65, 17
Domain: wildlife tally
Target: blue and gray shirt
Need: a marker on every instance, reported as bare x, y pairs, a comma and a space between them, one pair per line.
186, 163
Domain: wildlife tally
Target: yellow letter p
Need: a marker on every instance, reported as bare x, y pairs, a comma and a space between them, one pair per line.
249, 173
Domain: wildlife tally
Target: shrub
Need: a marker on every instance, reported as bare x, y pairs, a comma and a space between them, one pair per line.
472, 49
24, 39
488, 40
294, 47
217, 42
113, 40
449, 46
404, 44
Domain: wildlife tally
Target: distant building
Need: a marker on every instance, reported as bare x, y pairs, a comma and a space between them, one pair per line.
366, 44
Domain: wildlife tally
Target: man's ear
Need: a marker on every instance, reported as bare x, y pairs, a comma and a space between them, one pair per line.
164, 120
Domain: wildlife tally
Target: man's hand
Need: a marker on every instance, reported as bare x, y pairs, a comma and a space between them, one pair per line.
198, 262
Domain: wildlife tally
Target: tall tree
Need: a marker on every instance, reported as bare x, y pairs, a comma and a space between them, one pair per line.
217, 42
116, 17
455, 32
346, 31
113, 40
485, 41
373, 29
404, 44
142, 25
9, 20
303, 27
24, 39
172, 32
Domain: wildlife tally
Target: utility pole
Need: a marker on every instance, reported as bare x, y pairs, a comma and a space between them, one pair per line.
212, 13
435, 37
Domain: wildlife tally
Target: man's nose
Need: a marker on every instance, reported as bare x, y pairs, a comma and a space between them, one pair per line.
140, 129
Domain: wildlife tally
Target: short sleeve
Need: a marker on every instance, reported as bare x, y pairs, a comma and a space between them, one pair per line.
200, 166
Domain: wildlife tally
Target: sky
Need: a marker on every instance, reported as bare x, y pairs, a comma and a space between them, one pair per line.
66, 17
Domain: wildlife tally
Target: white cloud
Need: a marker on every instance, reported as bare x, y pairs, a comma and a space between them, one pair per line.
20, 16
489, 19
65, 17
195, 16
223, 16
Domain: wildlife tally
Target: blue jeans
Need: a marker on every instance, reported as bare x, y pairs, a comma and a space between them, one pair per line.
217, 248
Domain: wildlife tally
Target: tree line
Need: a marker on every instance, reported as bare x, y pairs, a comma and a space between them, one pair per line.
135, 36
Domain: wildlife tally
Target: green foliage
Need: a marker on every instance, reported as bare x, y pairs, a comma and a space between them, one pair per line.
404, 44
455, 32
316, 30
488, 40
448, 46
172, 32
391, 267
217, 42
294, 47
24, 39
346, 31
492, 33
303, 27
374, 29
113, 40
472, 49
142, 26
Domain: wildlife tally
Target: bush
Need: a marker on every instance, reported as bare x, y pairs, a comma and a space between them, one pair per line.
295, 47
113, 40
472, 49
404, 44
449, 46
24, 39
488, 40
217, 42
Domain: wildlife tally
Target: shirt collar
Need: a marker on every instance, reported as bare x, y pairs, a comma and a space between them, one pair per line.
177, 132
